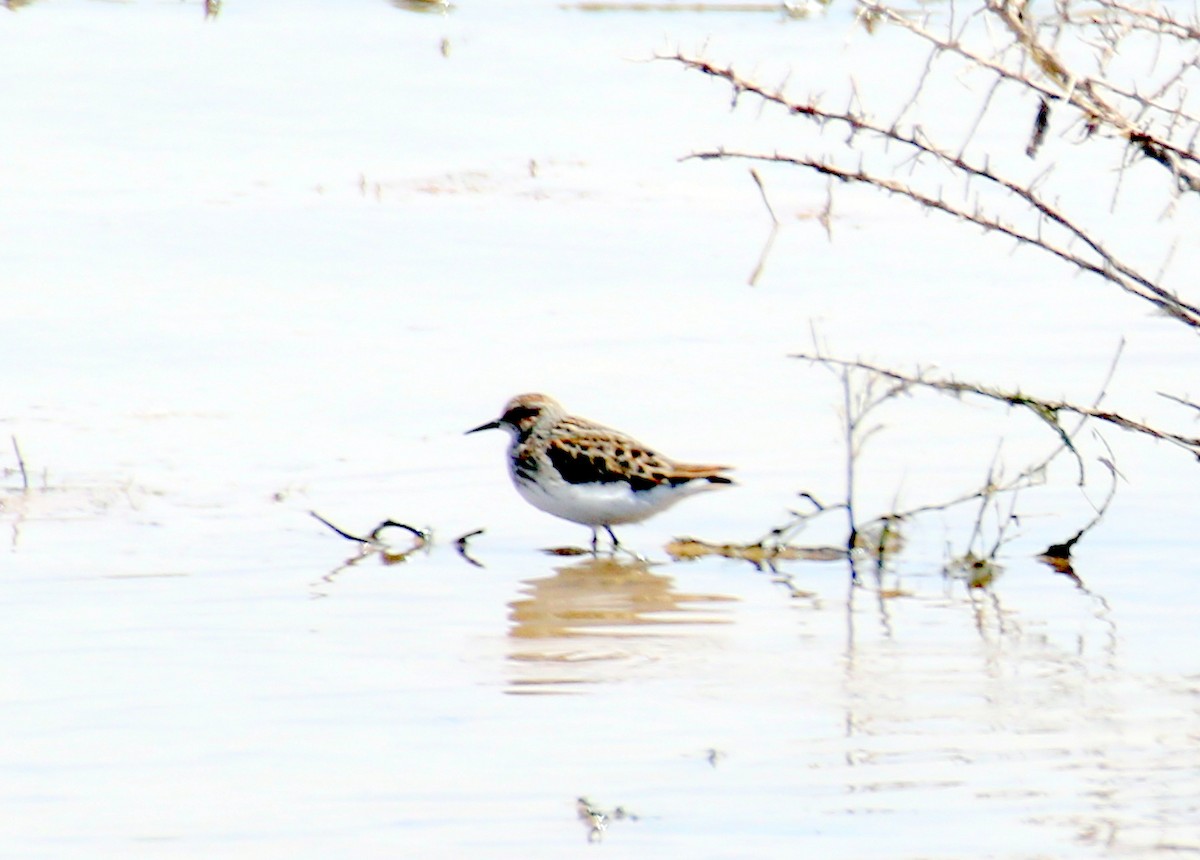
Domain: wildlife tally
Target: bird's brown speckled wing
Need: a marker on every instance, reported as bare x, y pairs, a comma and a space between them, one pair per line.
584, 454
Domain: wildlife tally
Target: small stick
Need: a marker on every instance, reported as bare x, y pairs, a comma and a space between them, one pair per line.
762, 258
346, 535
21, 463
763, 191
461, 546
417, 533
1181, 401
373, 539
1047, 410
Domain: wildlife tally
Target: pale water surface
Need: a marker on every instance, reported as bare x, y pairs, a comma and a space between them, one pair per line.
279, 261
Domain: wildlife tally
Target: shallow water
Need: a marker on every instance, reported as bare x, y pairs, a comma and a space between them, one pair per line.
279, 261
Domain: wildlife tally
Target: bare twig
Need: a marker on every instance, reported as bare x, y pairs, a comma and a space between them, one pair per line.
1029, 54
374, 539
1104, 264
763, 191
21, 465
762, 257
461, 545
1047, 410
1180, 400
1078, 90
1058, 555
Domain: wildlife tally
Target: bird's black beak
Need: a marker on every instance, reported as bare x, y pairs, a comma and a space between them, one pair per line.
491, 425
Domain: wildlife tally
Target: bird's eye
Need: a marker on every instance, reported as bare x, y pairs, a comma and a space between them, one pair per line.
518, 415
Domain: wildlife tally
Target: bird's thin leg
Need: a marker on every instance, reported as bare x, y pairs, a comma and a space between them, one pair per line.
616, 546
595, 541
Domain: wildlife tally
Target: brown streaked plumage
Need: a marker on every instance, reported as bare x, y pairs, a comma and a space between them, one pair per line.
587, 473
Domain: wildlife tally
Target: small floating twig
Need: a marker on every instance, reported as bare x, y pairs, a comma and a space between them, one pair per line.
346, 535
374, 541
422, 536
373, 538
461, 545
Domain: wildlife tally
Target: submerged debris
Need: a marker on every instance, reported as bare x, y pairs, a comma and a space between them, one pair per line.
976, 572
760, 553
881, 539
597, 820
1058, 556
566, 550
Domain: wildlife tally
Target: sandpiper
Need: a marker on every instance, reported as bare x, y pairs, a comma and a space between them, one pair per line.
590, 474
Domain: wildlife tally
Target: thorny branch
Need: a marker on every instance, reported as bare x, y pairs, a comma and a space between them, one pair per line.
1104, 264
1066, 64
1049, 411
867, 386
1123, 16
1106, 267
1030, 54
1063, 83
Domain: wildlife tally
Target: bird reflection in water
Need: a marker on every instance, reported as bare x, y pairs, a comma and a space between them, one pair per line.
592, 620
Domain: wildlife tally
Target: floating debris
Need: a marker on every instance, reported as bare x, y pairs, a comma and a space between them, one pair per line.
461, 545
376, 539
976, 572
689, 549
597, 819
566, 550
881, 539
1058, 556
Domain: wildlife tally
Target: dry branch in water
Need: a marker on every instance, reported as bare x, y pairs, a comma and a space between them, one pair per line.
1049, 411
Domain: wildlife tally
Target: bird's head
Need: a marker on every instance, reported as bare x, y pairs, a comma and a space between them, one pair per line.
523, 413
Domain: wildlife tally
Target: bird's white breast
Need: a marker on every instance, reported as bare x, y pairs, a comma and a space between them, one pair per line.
610, 503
